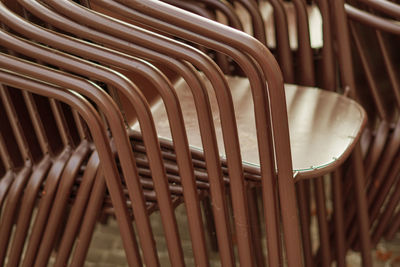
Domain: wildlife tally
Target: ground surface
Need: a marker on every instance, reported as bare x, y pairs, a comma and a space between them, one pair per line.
106, 248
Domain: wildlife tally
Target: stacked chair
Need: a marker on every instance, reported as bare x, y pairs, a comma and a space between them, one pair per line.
126, 108
378, 21
309, 63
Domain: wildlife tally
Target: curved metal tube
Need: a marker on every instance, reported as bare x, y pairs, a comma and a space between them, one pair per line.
369, 19
385, 6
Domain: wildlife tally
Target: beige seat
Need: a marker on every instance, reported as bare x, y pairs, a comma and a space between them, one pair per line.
323, 125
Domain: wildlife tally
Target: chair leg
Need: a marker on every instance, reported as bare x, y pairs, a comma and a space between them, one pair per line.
290, 220
322, 222
384, 220
89, 221
340, 241
77, 211
362, 208
210, 224
305, 222
385, 184
394, 227
254, 214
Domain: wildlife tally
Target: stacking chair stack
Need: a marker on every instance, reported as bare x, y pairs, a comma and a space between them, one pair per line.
118, 108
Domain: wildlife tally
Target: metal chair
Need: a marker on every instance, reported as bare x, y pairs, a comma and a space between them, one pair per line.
327, 79
386, 85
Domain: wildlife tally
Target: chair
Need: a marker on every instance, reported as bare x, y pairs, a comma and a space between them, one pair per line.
382, 175
328, 80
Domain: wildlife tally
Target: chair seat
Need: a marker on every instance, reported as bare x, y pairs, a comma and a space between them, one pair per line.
324, 126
